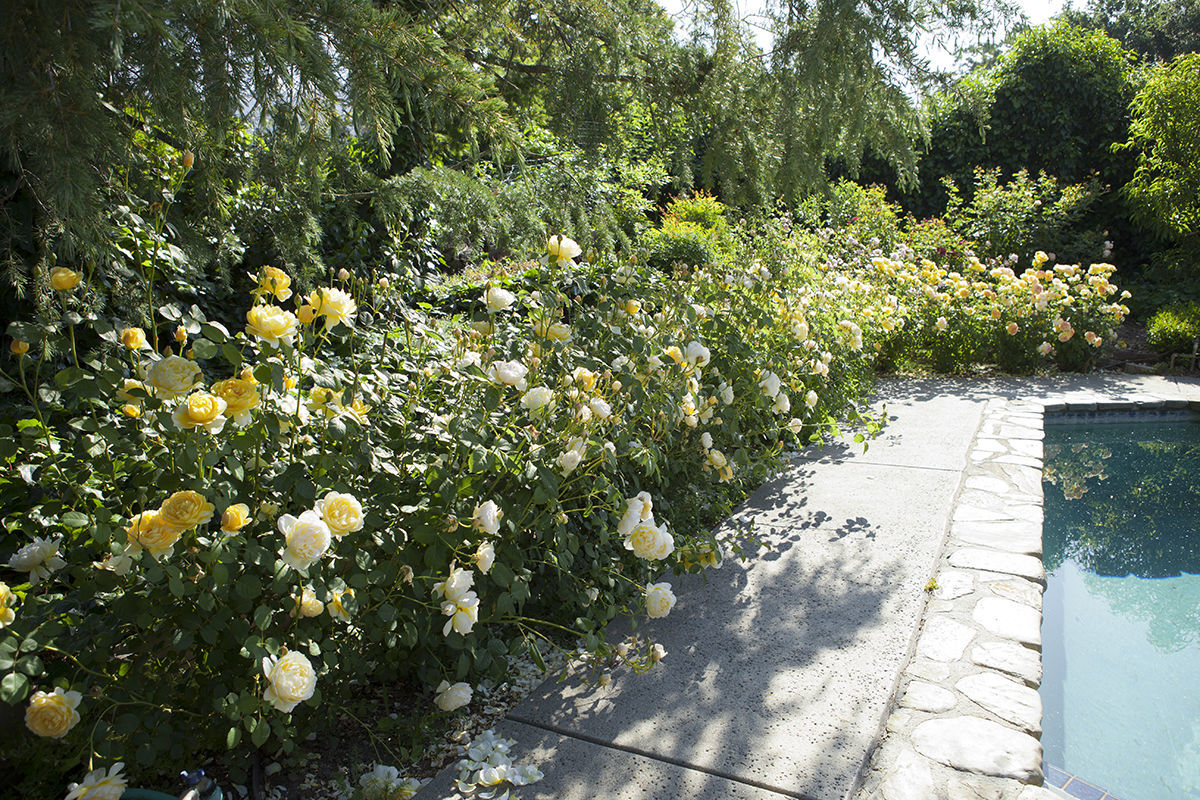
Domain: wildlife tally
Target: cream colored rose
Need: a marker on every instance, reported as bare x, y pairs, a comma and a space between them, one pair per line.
463, 614
39, 558
341, 512
485, 557
659, 599
185, 510
562, 250
335, 305
272, 324
240, 396
770, 384
336, 605
63, 279
148, 531
99, 784
537, 397
558, 332
811, 398
133, 338
307, 605
782, 404
307, 538
510, 373
456, 586
290, 680
235, 517
716, 458
53, 714
697, 355
487, 517
172, 377
452, 696
653, 543
584, 378
497, 299
7, 601
600, 408
200, 410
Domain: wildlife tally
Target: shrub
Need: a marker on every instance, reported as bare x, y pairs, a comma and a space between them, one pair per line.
1174, 329
680, 242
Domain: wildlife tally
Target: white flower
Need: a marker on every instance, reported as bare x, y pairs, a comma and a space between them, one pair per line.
336, 606
770, 384
468, 360
659, 599
306, 537
510, 373
782, 403
600, 408
811, 398
99, 784
658, 653
637, 509
537, 397
706, 440
452, 696
290, 680
172, 377
941, 324
341, 512
335, 305
463, 614
726, 393
562, 250
569, 460
485, 556
716, 458
456, 586
697, 354
498, 299
487, 517
307, 605
795, 425
39, 558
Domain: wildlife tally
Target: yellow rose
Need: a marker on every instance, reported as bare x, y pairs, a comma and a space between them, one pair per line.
247, 374
7, 599
18, 348
562, 249
290, 680
130, 410
63, 279
200, 410
307, 605
271, 324
335, 305
240, 396
336, 609
274, 281
53, 714
133, 338
584, 378
185, 510
305, 314
172, 377
236, 517
148, 530
341, 512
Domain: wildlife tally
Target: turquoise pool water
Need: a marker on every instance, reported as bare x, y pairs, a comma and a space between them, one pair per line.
1121, 625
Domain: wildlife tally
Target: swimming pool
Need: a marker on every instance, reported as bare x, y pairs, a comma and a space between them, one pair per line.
1121, 610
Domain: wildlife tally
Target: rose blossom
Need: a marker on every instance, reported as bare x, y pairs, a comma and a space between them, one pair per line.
659, 600
290, 680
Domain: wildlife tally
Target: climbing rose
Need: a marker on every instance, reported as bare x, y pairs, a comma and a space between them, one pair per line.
659, 599
341, 512
307, 538
53, 714
290, 680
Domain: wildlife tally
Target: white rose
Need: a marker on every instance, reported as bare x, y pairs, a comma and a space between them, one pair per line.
562, 249
659, 599
782, 403
452, 696
716, 458
569, 460
456, 586
498, 299
485, 556
770, 384
510, 373
341, 512
290, 680
811, 398
726, 393
706, 440
487, 517
632, 516
600, 408
39, 558
795, 425
537, 397
307, 538
469, 359
650, 542
463, 614
697, 354
335, 305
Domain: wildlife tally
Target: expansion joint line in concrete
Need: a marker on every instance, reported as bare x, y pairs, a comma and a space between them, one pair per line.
716, 773
865, 766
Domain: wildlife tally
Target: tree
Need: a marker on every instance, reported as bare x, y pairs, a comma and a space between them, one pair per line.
1157, 30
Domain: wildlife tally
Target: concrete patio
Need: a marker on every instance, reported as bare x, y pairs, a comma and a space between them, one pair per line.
785, 675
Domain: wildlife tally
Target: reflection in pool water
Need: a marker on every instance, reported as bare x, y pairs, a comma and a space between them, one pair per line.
1121, 627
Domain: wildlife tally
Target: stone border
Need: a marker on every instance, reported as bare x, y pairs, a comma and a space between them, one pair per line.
966, 722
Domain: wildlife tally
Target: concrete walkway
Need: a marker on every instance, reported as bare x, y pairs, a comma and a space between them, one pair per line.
782, 672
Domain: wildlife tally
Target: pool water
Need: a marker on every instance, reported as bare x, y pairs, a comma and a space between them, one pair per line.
1121, 624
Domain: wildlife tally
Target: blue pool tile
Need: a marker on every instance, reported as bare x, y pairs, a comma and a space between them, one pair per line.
1055, 776
1084, 791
